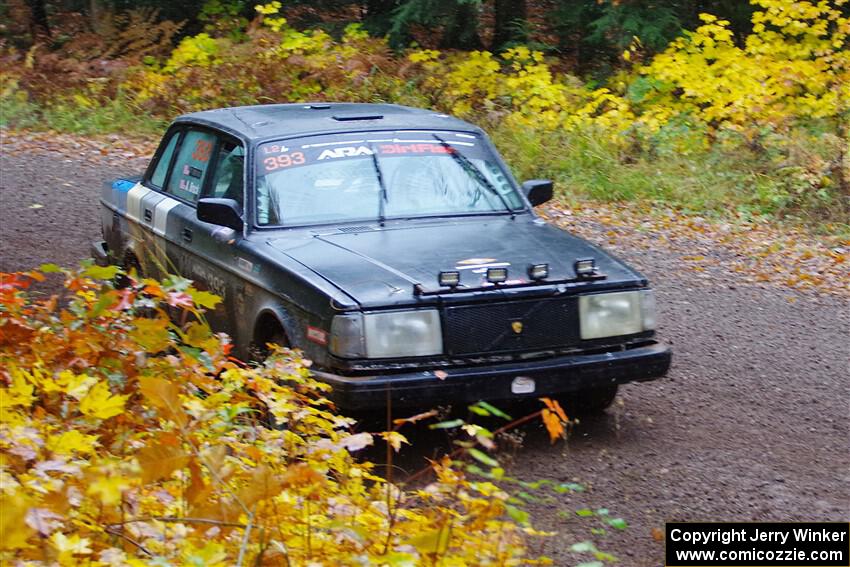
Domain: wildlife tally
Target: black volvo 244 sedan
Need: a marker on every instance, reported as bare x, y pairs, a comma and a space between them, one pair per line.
390, 244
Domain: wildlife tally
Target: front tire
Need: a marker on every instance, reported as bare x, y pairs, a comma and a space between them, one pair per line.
591, 401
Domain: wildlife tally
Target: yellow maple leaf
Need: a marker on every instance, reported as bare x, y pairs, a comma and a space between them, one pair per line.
14, 531
108, 489
69, 546
72, 441
395, 439
100, 403
151, 334
75, 385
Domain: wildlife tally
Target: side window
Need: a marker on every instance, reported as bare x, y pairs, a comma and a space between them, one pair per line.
228, 178
190, 167
158, 177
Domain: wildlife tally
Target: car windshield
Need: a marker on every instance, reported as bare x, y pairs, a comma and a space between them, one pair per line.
376, 175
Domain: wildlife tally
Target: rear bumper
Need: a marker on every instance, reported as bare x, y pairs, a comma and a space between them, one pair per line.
551, 377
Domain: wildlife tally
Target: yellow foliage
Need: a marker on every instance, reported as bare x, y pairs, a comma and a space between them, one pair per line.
162, 460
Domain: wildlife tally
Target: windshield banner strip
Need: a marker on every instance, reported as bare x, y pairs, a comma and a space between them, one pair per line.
279, 156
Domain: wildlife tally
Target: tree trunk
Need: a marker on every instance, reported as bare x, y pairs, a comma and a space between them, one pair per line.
39, 25
462, 30
510, 17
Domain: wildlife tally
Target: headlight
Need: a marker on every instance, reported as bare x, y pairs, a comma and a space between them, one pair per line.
612, 314
387, 335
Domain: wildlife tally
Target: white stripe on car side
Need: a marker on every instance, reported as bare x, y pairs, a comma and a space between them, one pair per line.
160, 215
134, 202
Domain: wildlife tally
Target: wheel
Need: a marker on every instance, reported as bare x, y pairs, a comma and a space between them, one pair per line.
590, 401
267, 332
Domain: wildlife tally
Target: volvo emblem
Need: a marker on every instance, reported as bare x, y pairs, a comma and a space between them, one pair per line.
517, 327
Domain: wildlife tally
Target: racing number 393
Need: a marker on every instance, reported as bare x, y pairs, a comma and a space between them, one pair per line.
283, 160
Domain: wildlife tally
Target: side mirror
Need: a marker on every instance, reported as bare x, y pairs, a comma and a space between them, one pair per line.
223, 212
538, 191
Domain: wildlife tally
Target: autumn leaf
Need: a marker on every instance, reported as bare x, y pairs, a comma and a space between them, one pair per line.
555, 407
357, 441
164, 396
151, 334
554, 425
72, 441
160, 459
415, 418
101, 272
108, 489
69, 546
101, 404
265, 483
13, 526
432, 542
395, 439
204, 299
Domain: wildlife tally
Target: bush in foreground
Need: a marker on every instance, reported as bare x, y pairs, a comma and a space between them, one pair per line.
126, 439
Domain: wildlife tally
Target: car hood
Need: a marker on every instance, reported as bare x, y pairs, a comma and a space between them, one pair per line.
379, 266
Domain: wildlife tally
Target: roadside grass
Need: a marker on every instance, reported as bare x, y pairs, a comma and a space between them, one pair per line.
79, 115
743, 181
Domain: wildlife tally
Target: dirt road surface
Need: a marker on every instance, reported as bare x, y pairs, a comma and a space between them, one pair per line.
751, 423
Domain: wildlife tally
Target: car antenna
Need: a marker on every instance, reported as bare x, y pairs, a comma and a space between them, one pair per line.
383, 199
468, 166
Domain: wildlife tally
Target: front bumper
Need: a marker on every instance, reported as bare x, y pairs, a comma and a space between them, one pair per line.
100, 253
551, 377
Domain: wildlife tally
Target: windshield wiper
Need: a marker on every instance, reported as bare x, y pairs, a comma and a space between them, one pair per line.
469, 167
383, 198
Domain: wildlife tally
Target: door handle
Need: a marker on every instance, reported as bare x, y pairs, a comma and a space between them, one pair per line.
187, 235
148, 215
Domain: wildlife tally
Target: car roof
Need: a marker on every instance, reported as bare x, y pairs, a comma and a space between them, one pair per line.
272, 121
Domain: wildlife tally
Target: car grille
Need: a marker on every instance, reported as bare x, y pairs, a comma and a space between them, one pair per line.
514, 326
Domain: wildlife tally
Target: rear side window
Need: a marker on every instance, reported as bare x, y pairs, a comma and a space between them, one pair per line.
158, 177
190, 167
228, 179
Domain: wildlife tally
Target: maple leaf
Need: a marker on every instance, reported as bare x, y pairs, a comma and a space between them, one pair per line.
108, 489
75, 385
553, 425
68, 546
160, 460
13, 527
151, 334
395, 439
554, 406
101, 404
204, 299
180, 299
72, 441
164, 396
357, 441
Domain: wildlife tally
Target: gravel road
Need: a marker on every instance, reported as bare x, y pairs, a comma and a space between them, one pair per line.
751, 423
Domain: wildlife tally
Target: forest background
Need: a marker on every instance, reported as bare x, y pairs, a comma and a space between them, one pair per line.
712, 106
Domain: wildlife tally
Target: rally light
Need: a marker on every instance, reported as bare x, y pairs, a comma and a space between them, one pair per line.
538, 271
497, 275
585, 268
449, 279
